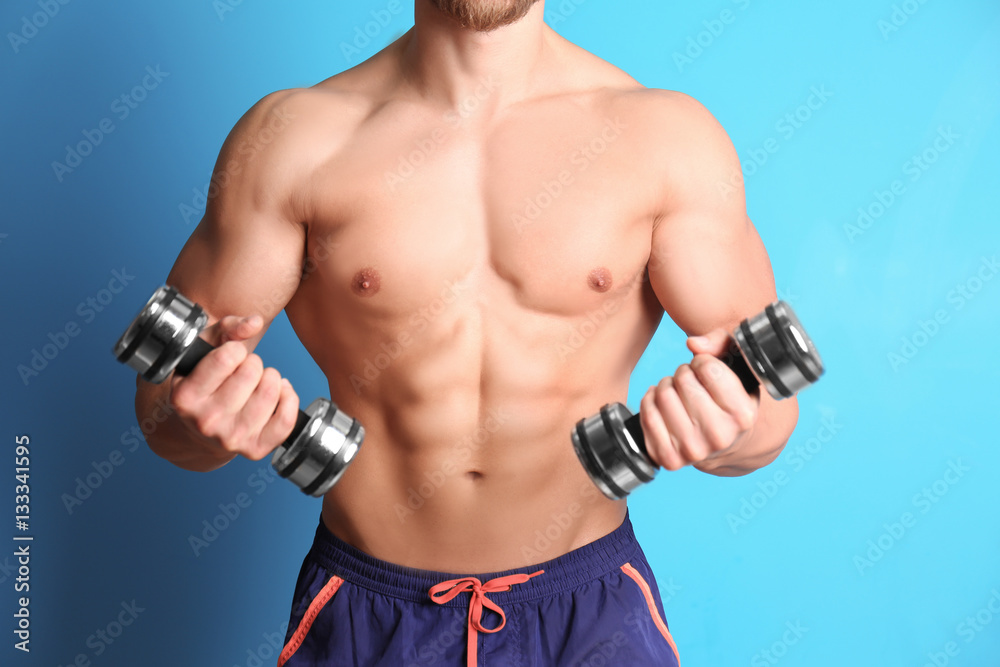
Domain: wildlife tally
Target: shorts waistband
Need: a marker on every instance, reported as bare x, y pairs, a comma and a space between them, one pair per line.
565, 572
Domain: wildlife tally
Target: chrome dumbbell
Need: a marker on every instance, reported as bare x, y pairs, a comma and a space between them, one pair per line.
164, 338
771, 349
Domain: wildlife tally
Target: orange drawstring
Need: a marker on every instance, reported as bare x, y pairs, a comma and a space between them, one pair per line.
448, 590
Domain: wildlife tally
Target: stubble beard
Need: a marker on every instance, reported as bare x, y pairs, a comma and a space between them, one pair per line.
485, 15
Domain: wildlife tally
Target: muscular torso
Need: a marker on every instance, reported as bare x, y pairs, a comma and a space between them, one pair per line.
474, 284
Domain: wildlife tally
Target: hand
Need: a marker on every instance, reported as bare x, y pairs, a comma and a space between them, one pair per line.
230, 403
702, 412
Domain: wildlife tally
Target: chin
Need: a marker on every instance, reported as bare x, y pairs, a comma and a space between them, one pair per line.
484, 15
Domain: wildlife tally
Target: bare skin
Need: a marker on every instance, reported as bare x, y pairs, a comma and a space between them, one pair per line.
475, 236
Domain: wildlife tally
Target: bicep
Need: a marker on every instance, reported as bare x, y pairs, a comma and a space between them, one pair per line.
709, 272
708, 265
245, 256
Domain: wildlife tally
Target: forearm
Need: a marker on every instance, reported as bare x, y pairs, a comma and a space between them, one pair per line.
761, 445
167, 436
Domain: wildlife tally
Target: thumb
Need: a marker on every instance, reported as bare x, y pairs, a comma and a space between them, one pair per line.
716, 343
238, 328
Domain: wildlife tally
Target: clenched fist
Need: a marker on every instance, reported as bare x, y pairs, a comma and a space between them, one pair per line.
230, 403
701, 412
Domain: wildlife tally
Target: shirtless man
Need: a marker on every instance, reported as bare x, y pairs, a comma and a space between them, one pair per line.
440, 223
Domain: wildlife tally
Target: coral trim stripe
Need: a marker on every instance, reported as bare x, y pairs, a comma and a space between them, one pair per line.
312, 612
634, 574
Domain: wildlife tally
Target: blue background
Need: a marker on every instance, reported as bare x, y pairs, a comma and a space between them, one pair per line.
821, 550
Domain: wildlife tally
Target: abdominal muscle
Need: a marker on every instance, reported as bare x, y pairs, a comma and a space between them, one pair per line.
467, 464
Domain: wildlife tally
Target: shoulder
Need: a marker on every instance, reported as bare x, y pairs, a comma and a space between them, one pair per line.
683, 145
283, 138
295, 121
674, 118
659, 118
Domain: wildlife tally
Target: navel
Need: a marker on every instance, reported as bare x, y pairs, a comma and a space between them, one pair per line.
600, 280
366, 282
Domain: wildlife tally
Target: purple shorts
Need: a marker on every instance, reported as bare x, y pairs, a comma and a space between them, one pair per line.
595, 606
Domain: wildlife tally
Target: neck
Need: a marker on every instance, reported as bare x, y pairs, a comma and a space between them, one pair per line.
444, 60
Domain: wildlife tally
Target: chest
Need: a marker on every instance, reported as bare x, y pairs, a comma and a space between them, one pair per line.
551, 212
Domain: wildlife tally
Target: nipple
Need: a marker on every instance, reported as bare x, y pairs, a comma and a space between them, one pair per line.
366, 282
600, 280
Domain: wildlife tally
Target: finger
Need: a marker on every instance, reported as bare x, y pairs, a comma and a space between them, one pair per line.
726, 389
240, 328
236, 390
715, 429
695, 412
259, 409
660, 444
208, 375
716, 342
281, 423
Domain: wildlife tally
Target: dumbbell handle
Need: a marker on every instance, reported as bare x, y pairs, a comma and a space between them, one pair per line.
736, 363
198, 350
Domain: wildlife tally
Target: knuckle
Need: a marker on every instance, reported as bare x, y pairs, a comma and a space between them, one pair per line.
255, 454
254, 362
746, 418
717, 439
713, 368
270, 385
207, 423
673, 464
231, 444
228, 355
686, 378
251, 368
181, 401
662, 394
693, 449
